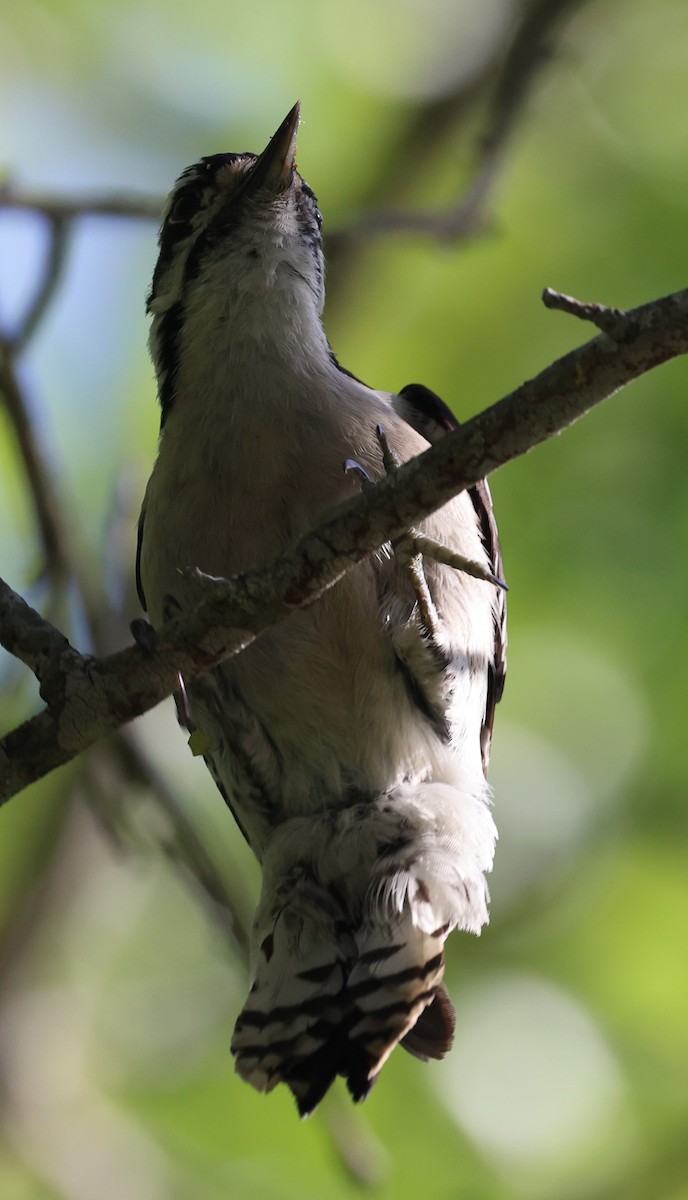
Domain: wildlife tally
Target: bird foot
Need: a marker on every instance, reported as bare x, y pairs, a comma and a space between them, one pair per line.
414, 546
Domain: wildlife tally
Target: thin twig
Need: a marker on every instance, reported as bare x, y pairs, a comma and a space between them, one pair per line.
53, 270
609, 320
361, 1155
507, 78
69, 208
185, 849
60, 542
47, 507
532, 47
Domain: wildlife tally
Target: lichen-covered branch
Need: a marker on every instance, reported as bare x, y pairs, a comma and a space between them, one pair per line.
97, 695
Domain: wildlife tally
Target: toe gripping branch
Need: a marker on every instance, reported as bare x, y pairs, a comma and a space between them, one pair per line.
413, 546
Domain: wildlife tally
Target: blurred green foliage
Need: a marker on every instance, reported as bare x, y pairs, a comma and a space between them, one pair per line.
117, 991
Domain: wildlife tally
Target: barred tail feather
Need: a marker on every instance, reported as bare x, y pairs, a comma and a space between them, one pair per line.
292, 1028
390, 986
349, 938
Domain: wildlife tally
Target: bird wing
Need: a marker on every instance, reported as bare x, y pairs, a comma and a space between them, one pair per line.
427, 413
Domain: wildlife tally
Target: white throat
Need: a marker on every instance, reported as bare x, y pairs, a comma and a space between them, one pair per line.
253, 314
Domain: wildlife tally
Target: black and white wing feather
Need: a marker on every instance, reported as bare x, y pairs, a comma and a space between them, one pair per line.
427, 413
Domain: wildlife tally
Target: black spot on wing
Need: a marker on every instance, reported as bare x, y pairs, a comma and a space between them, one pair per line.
419, 698
481, 498
424, 411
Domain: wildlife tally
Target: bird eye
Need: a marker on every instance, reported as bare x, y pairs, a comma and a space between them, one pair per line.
318, 218
184, 207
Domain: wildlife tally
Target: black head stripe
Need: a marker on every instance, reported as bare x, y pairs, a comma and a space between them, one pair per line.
204, 211
190, 195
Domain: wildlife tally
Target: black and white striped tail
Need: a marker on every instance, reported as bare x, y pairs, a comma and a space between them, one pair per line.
350, 935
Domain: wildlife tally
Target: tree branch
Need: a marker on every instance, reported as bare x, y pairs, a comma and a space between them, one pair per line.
47, 508
504, 84
51, 278
610, 320
33, 640
97, 695
126, 763
504, 81
67, 208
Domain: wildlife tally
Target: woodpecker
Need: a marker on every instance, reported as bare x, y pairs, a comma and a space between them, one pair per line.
351, 740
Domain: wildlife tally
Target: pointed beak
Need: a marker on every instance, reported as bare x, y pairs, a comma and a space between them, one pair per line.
274, 168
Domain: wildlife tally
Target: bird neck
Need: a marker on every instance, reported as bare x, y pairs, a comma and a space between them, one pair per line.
251, 323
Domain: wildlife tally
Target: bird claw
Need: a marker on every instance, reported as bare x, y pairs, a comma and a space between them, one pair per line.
351, 467
181, 703
414, 546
